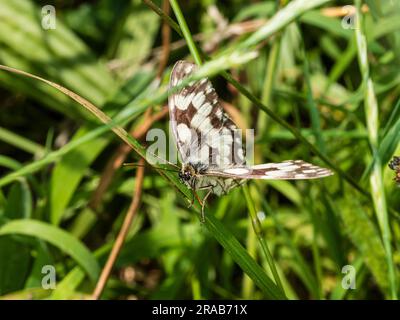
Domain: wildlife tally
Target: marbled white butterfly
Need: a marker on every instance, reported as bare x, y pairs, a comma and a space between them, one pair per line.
210, 144
394, 164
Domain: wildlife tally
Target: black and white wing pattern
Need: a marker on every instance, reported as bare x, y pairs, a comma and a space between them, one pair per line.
203, 131
210, 144
394, 164
286, 170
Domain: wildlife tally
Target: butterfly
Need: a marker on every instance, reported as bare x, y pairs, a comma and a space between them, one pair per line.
394, 164
210, 145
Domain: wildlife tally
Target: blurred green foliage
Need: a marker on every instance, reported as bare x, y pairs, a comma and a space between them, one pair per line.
313, 71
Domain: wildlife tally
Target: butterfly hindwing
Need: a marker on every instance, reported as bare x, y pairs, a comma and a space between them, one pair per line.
287, 170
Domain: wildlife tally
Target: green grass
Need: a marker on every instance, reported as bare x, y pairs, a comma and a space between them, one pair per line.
311, 89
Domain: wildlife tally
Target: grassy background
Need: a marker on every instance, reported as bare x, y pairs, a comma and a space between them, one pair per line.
317, 91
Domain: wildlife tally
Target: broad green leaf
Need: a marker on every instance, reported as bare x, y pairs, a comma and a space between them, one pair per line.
15, 261
42, 258
83, 223
66, 288
19, 201
68, 173
57, 237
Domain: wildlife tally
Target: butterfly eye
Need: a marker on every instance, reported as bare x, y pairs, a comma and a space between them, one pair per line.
185, 176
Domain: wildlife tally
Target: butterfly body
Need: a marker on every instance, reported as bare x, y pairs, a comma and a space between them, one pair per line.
196, 177
210, 144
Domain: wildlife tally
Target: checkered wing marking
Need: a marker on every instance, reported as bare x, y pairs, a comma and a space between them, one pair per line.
203, 131
287, 170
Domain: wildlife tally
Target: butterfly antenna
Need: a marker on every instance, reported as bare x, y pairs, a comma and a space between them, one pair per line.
163, 160
131, 164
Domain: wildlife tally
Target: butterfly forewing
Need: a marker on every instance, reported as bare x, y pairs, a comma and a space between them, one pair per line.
203, 131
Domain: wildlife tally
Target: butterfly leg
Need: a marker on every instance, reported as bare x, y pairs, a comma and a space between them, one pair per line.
203, 219
192, 201
194, 194
201, 202
197, 197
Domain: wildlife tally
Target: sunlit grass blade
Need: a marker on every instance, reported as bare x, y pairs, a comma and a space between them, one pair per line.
376, 180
